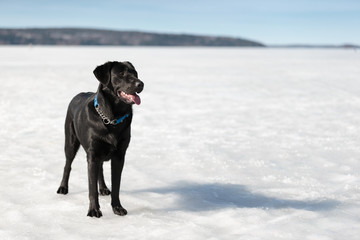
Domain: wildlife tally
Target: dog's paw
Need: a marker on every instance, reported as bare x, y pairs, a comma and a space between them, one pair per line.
62, 190
105, 192
94, 213
120, 211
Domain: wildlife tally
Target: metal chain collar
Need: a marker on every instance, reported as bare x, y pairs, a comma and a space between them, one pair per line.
105, 119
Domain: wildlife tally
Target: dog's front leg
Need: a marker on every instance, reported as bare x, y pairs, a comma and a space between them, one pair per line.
93, 173
117, 164
103, 189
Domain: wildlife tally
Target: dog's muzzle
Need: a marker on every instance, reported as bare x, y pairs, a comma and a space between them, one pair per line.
132, 97
139, 86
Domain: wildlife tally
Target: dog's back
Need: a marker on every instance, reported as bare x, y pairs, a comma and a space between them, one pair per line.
78, 102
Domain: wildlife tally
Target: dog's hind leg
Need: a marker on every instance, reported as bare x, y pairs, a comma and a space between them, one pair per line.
72, 145
103, 189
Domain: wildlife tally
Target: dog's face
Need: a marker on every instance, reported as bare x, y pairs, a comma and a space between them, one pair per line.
121, 79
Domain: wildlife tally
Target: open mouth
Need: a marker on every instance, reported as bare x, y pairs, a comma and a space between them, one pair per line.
129, 98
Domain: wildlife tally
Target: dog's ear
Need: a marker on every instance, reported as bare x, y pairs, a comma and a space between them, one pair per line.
103, 72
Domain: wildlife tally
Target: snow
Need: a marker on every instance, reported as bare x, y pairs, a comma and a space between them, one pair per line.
228, 143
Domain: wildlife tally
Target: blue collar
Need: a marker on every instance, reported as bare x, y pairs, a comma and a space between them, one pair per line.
105, 119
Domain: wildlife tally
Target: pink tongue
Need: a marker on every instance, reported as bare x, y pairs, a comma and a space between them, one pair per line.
136, 99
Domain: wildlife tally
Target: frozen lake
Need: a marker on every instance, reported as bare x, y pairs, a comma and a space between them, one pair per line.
228, 143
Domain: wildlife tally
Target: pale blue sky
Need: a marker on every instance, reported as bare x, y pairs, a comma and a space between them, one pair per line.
270, 22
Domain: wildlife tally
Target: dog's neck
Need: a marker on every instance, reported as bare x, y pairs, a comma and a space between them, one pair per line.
110, 104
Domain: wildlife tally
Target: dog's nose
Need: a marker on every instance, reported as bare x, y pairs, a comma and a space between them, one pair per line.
139, 85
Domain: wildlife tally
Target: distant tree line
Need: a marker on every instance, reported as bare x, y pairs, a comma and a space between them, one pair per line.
77, 36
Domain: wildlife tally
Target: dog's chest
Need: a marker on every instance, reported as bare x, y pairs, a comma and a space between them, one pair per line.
116, 137
105, 147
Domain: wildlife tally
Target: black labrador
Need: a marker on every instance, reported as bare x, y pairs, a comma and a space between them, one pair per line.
100, 123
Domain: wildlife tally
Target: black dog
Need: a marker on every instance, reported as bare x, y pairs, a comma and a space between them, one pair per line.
100, 122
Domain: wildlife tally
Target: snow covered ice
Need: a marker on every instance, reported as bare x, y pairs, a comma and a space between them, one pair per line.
228, 143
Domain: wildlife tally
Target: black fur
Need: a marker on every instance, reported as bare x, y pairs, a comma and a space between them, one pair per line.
102, 142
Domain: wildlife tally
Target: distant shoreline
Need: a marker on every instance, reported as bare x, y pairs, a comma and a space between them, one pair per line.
103, 37
100, 37
340, 47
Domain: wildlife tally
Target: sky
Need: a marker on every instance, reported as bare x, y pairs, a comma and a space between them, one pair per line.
270, 22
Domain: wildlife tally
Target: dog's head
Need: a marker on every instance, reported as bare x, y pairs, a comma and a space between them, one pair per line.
121, 79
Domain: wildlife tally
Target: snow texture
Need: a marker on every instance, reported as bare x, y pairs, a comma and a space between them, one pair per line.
228, 143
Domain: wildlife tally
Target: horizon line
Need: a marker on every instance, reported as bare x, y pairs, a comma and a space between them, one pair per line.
306, 45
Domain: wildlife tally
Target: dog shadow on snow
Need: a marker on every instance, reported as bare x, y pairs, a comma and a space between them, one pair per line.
206, 197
